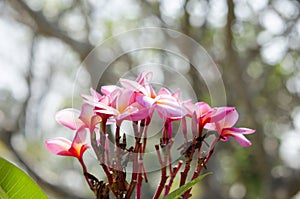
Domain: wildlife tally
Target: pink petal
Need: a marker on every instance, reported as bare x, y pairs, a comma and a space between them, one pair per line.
69, 118
59, 146
80, 143
133, 85
90, 99
164, 91
110, 111
176, 94
190, 108
81, 137
129, 111
242, 140
169, 106
94, 121
237, 134
144, 77
95, 94
93, 98
218, 118
107, 90
101, 105
145, 101
241, 130
125, 98
87, 111
202, 108
141, 113
231, 118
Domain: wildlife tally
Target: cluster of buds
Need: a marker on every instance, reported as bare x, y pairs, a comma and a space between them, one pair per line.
136, 101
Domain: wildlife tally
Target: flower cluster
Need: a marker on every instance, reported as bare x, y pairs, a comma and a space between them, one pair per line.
136, 101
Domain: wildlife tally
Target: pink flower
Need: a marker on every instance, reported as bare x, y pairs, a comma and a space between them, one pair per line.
124, 107
225, 129
166, 104
204, 116
64, 147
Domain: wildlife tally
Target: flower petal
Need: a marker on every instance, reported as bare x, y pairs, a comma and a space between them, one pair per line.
237, 134
164, 91
59, 146
145, 101
107, 90
80, 142
69, 118
167, 106
219, 118
133, 85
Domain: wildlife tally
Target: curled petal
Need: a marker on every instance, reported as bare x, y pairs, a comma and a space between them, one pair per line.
144, 77
237, 134
69, 118
133, 85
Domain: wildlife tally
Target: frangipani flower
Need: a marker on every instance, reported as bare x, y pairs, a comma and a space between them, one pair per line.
124, 108
64, 147
166, 104
225, 129
136, 101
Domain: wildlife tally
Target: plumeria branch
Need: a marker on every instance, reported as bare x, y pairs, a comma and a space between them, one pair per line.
136, 101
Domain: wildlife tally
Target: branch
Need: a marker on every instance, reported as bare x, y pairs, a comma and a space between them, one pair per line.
47, 28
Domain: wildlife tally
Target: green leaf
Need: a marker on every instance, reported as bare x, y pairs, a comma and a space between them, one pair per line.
15, 184
178, 192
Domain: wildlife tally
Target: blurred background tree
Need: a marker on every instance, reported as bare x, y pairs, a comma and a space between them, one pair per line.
255, 44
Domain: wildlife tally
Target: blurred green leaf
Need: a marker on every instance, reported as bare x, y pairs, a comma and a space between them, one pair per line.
178, 192
15, 184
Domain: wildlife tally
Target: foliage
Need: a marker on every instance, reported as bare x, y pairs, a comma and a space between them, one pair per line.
15, 184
